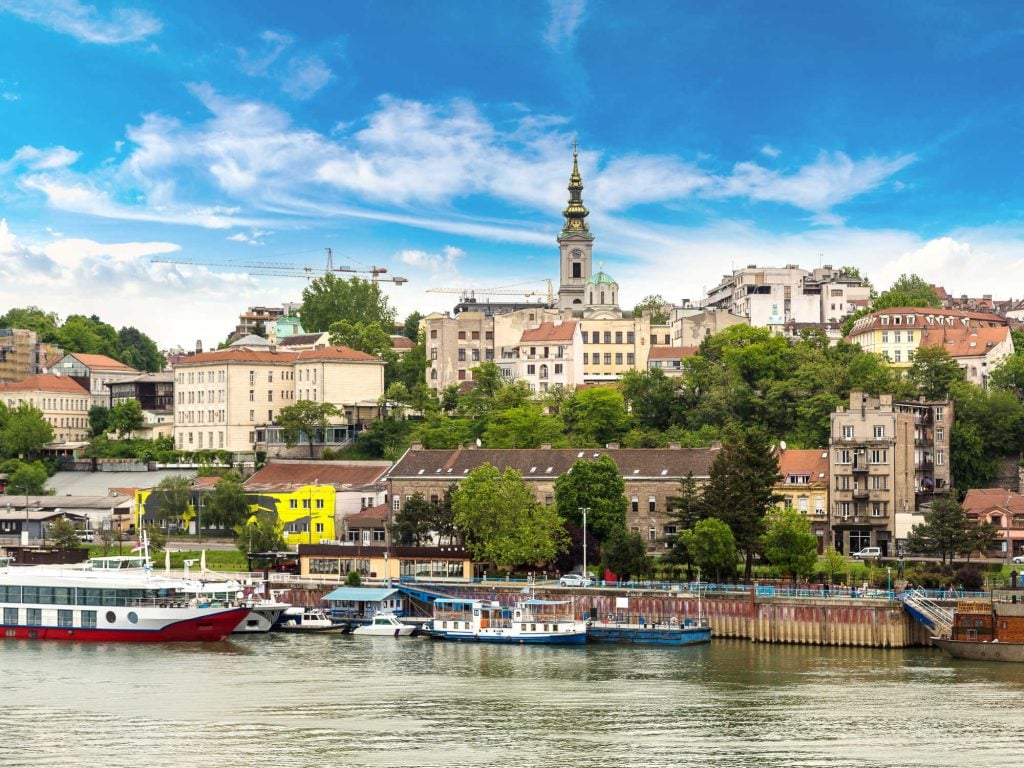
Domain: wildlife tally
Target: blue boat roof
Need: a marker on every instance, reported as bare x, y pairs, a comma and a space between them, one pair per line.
545, 602
455, 601
361, 594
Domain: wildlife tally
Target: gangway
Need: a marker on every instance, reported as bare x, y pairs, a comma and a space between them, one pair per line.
928, 612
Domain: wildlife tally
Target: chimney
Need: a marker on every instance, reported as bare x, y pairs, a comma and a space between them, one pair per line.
675, 446
545, 446
416, 446
612, 446
199, 346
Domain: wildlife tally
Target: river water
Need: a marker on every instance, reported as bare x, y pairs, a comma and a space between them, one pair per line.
337, 700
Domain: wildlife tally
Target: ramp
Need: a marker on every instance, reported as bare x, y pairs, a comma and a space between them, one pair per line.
929, 613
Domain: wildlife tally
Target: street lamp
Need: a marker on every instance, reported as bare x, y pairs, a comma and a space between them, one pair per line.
888, 582
584, 511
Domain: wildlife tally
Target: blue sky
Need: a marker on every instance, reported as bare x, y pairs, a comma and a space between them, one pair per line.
435, 139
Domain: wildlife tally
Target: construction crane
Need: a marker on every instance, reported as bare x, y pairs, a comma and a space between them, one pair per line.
277, 269
468, 294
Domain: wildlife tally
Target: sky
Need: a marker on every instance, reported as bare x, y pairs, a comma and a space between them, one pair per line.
158, 159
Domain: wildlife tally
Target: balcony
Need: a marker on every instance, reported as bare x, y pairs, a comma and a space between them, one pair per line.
860, 466
860, 493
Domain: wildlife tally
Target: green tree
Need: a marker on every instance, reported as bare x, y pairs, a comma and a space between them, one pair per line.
227, 506
908, 291
523, 427
597, 485
25, 431
45, 324
833, 563
414, 522
262, 532
934, 371
411, 326
99, 416
945, 532
625, 555
125, 417
740, 486
502, 523
89, 335
329, 299
651, 397
789, 544
171, 500
596, 416
1008, 375
712, 546
371, 337
63, 534
656, 305
305, 418
385, 438
684, 512
139, 351
29, 480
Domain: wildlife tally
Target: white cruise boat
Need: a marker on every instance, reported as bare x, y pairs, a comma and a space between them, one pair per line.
384, 624
548, 622
108, 601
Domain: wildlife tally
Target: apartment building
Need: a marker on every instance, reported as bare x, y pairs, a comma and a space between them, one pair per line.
651, 477
804, 487
886, 457
94, 372
896, 334
547, 356
229, 399
63, 401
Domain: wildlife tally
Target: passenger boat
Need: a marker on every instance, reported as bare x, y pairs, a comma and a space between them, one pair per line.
384, 624
985, 630
549, 622
108, 601
298, 619
671, 632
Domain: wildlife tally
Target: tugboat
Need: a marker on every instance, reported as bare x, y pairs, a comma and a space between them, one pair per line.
984, 630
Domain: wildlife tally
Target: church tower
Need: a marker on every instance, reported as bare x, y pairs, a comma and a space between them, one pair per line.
575, 244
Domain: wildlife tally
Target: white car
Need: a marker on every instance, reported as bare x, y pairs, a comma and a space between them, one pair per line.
1019, 559
867, 553
574, 580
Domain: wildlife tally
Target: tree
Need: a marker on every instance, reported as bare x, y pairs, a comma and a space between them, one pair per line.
596, 416
684, 512
1008, 375
934, 371
523, 427
63, 534
656, 305
501, 521
171, 500
651, 397
139, 351
33, 318
99, 415
907, 291
384, 438
625, 555
739, 490
29, 480
414, 522
411, 326
945, 532
834, 563
370, 337
712, 546
125, 417
89, 335
789, 544
227, 506
303, 419
25, 431
597, 485
329, 299
262, 532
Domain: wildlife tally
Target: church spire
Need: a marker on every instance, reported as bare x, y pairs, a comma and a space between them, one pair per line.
575, 213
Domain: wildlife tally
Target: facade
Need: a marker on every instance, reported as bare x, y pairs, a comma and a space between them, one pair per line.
669, 360
19, 354
613, 345
690, 328
804, 487
64, 403
978, 351
255, 319
333, 562
229, 399
1005, 510
651, 476
547, 356
94, 372
885, 458
896, 333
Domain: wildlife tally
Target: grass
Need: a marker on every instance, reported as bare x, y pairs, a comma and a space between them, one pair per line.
216, 559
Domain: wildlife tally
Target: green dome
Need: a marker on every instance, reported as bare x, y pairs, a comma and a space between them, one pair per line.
601, 278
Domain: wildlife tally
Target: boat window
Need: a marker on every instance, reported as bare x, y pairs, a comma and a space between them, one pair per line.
34, 617
89, 619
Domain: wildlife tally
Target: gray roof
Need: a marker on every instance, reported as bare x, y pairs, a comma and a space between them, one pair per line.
43, 507
100, 483
633, 463
252, 340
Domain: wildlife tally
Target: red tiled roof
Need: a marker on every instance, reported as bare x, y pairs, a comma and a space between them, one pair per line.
924, 317
550, 332
45, 382
965, 342
402, 342
325, 473
368, 516
336, 353
812, 462
671, 353
101, 362
980, 500
240, 355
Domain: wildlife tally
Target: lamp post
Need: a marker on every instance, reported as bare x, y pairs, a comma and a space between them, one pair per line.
584, 511
888, 582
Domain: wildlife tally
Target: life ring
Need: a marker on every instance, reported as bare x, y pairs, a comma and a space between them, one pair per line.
673, 621
608, 618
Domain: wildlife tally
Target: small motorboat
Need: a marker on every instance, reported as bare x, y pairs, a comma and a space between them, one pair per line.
308, 620
384, 624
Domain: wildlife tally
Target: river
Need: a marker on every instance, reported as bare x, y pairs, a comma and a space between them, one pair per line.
338, 700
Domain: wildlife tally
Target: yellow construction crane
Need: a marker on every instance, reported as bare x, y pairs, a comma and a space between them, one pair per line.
467, 294
277, 269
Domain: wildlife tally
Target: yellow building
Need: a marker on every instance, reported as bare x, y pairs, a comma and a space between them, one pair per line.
804, 487
63, 401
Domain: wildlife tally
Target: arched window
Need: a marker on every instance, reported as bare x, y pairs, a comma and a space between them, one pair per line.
591, 297
543, 371
602, 297
433, 374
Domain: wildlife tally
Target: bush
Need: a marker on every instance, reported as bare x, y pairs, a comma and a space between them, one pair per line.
353, 580
970, 577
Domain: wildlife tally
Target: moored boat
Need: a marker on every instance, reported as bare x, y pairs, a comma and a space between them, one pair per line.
298, 619
671, 632
385, 624
548, 622
107, 604
985, 630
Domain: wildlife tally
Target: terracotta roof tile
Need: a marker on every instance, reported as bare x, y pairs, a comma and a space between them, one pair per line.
965, 342
671, 353
550, 332
45, 382
333, 473
812, 462
336, 353
101, 362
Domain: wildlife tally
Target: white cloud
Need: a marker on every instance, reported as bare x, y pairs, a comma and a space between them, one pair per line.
435, 262
84, 22
9, 96
769, 151
306, 75
257, 65
565, 19
253, 238
37, 159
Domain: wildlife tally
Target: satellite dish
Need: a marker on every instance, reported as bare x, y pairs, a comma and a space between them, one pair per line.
478, 443
782, 445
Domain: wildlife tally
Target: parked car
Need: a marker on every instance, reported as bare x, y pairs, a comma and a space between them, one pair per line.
867, 553
1019, 559
574, 580
86, 536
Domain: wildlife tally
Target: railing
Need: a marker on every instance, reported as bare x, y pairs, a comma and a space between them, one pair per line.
928, 612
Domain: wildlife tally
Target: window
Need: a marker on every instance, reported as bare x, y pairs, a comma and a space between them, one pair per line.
475, 355
652, 504
64, 617
618, 337
847, 432
607, 358
885, 337
630, 358
652, 534
940, 434
462, 355
558, 368
88, 619
270, 396
433, 333
940, 458
583, 336
433, 353
577, 269
879, 432
618, 358
396, 503
635, 504
462, 335
910, 335
630, 337
844, 456
252, 378
896, 336
476, 335
531, 369
607, 336
897, 356
293, 503
878, 456
940, 412
462, 374
252, 395
586, 358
